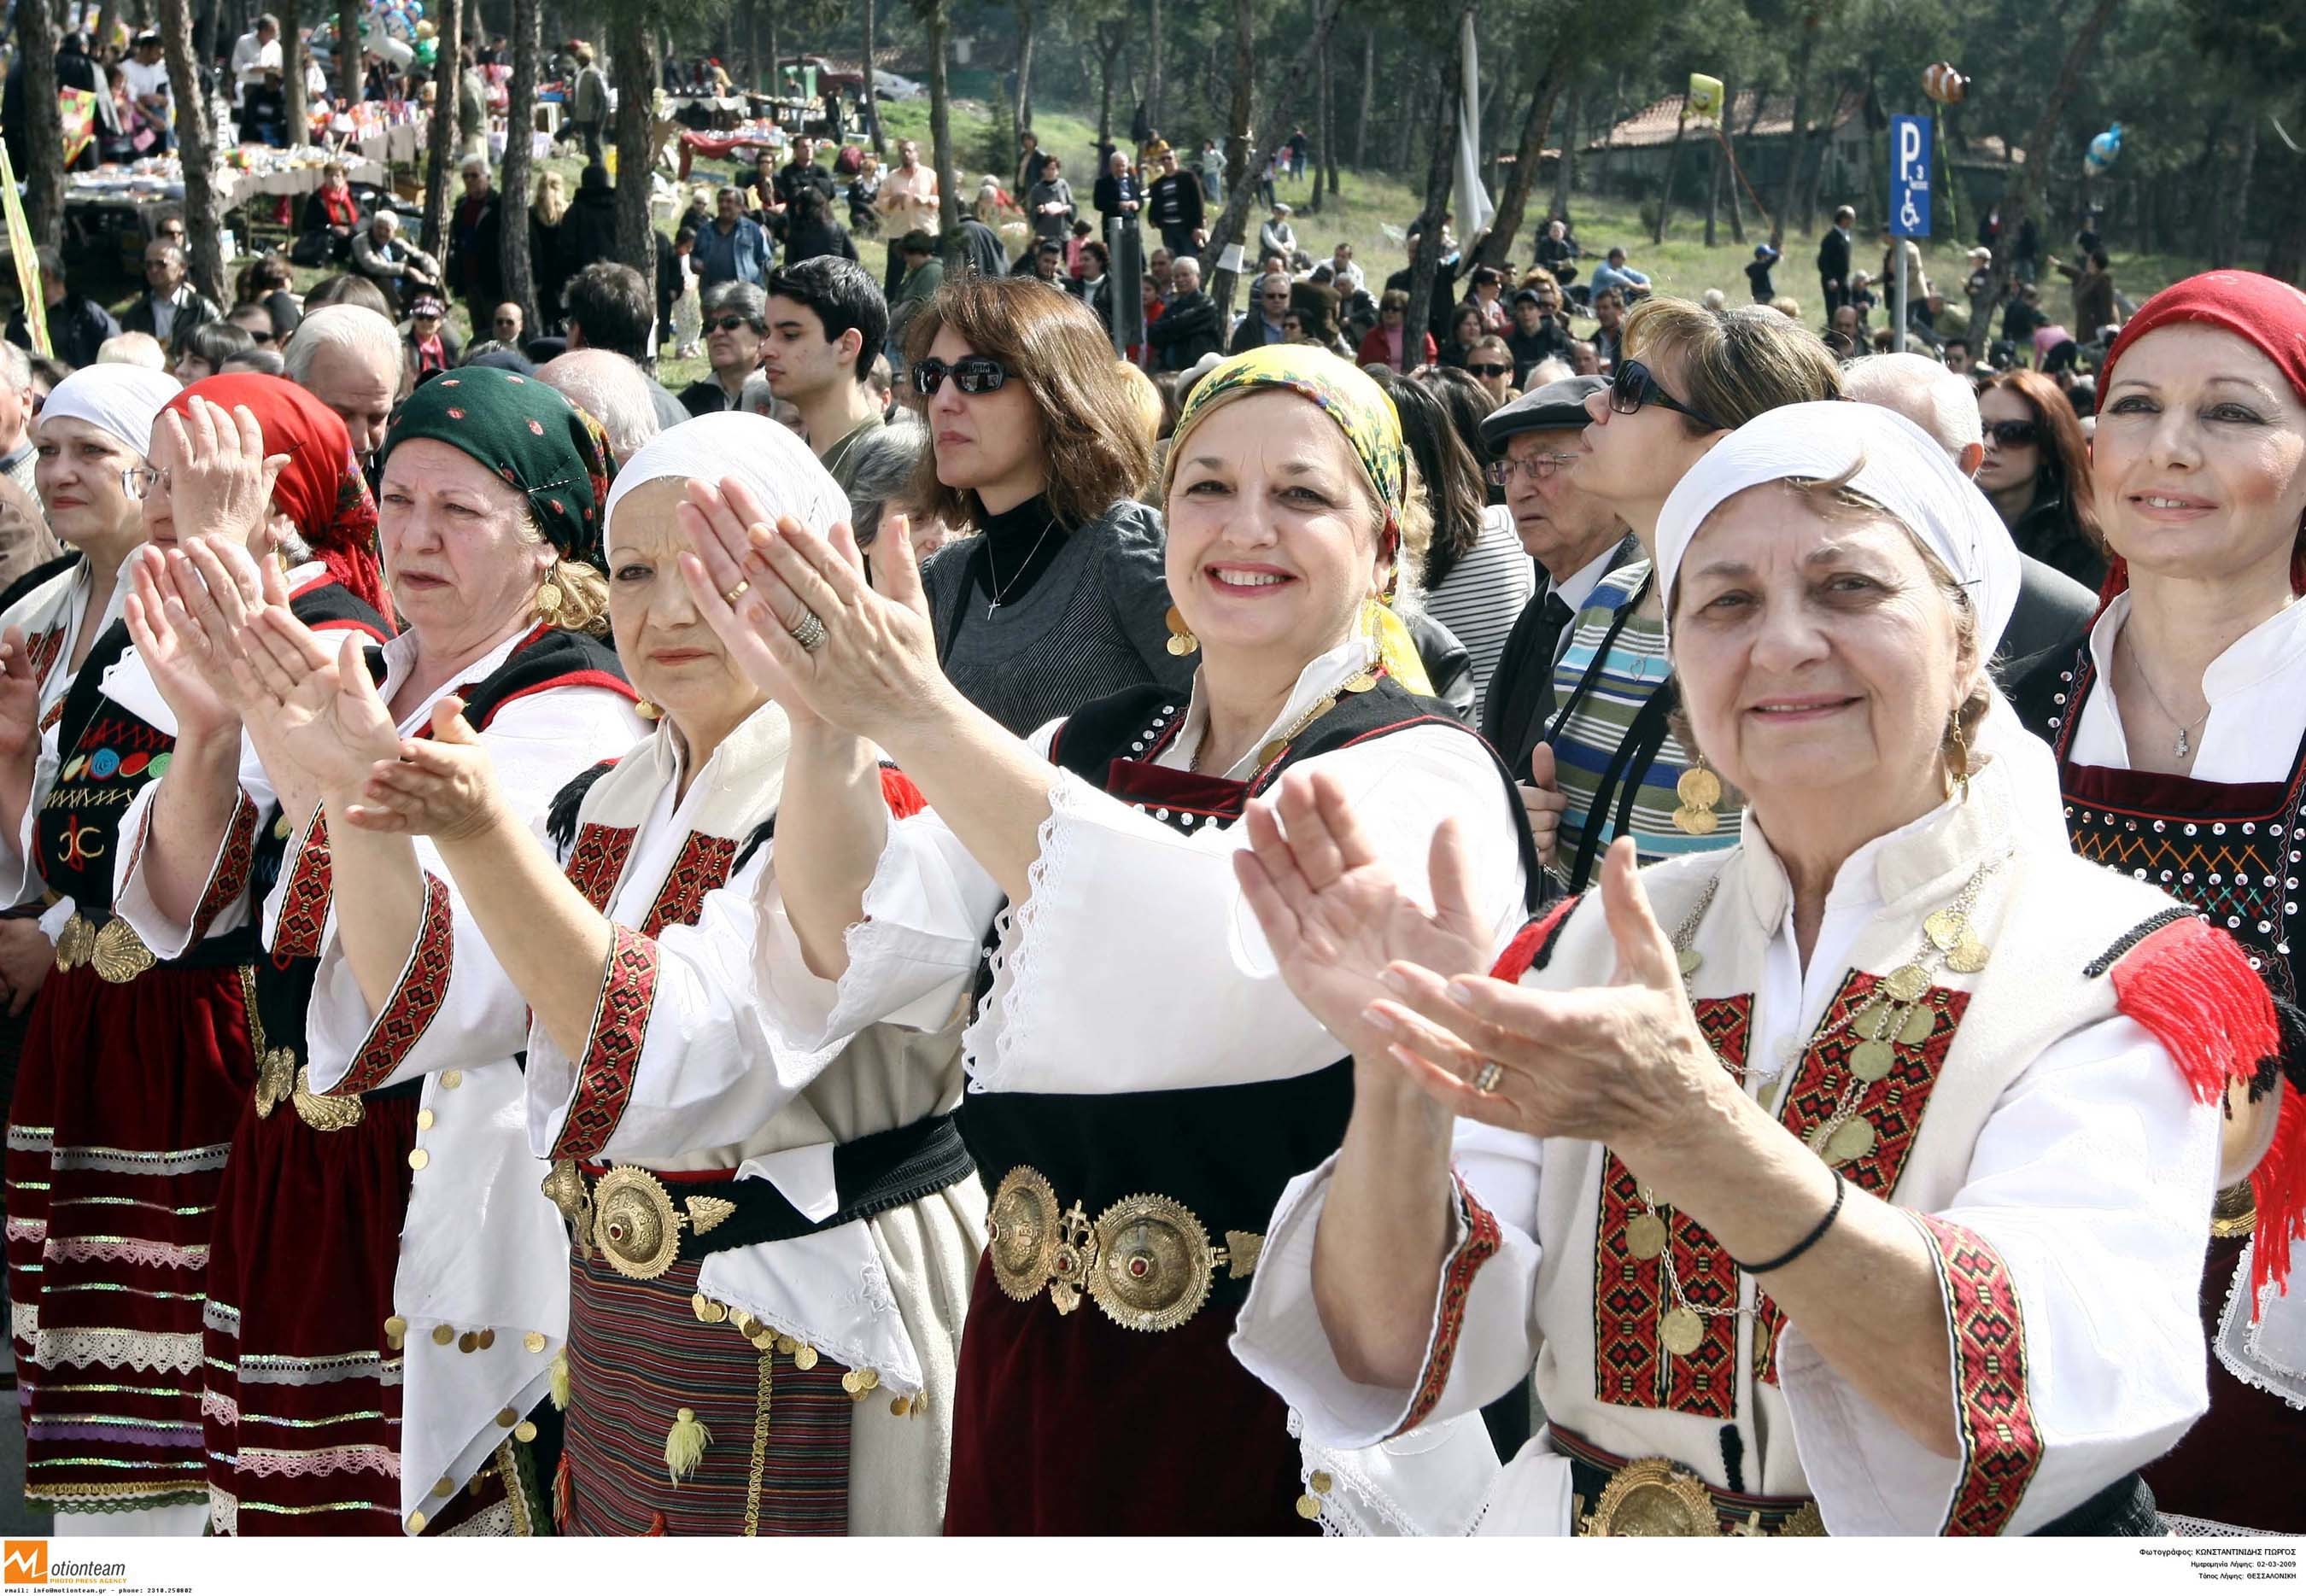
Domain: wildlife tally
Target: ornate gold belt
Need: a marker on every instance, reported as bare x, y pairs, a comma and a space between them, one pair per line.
117, 952
1147, 1260
2235, 1213
628, 1213
1656, 1496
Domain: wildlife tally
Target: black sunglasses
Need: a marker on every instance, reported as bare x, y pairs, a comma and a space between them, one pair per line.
1486, 370
730, 323
972, 374
1633, 387
2015, 434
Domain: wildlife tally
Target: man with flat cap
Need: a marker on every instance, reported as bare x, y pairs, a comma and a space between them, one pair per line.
1576, 541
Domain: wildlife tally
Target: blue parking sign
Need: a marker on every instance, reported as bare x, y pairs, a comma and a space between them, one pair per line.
1910, 176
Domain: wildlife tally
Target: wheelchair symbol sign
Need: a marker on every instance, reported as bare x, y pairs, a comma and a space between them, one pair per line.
1910, 176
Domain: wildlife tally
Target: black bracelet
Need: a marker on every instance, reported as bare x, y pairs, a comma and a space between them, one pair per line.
1840, 1190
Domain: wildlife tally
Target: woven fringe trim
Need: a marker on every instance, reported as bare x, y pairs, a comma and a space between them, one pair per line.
2190, 986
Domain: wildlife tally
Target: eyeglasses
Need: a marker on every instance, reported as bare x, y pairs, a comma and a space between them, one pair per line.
729, 323
1536, 467
1633, 387
1487, 369
972, 374
507, 321
2014, 434
139, 481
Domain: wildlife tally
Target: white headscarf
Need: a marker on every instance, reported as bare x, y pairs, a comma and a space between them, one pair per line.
1880, 455
1887, 458
767, 456
119, 399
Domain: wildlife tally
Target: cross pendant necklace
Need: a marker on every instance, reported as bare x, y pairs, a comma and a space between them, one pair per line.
1001, 592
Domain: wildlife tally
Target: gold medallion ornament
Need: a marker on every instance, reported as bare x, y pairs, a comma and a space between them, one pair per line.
75, 943
804, 1357
1906, 983
121, 955
1969, 956
1646, 1237
1152, 1270
634, 1224
1698, 790
1021, 1233
1653, 1497
1871, 1061
1182, 641
1920, 1023
564, 1185
1945, 929
1689, 960
1850, 1141
1680, 1330
1146, 1261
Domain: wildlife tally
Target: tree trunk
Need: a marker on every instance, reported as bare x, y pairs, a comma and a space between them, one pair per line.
1369, 90
2232, 239
350, 21
295, 110
635, 140
1565, 171
1665, 183
512, 198
1329, 131
1282, 107
1712, 194
105, 19
872, 98
204, 34
1513, 206
442, 128
196, 144
1790, 196
44, 130
2019, 199
1020, 110
1237, 150
1153, 67
1606, 159
1320, 125
1110, 38
1425, 260
933, 13
768, 12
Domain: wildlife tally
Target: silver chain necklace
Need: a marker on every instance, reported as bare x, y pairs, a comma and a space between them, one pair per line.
2184, 745
1000, 593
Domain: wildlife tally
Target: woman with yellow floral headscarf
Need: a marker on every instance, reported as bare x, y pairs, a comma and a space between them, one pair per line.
1143, 1083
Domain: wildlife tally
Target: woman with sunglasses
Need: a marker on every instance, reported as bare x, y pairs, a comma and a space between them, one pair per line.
2180, 730
1382, 344
1687, 377
2036, 471
1142, 1081
1491, 364
1035, 447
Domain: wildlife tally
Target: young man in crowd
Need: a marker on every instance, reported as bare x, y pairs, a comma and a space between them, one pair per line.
827, 322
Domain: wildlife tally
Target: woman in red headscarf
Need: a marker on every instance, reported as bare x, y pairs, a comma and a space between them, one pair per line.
143, 1043
2179, 727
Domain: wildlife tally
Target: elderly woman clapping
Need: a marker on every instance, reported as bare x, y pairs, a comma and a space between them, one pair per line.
1828, 1152
488, 524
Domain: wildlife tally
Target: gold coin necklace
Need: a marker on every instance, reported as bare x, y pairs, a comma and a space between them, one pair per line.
1360, 681
1893, 1007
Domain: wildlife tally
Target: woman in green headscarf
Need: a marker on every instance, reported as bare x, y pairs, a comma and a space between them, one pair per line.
1145, 1086
489, 522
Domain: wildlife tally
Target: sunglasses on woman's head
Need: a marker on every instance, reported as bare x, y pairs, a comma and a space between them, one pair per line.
972, 374
1633, 387
1486, 370
2014, 434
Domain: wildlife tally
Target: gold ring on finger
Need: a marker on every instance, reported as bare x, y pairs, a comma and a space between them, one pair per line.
1486, 1078
743, 587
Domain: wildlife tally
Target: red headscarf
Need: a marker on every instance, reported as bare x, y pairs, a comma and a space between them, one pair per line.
2268, 314
320, 489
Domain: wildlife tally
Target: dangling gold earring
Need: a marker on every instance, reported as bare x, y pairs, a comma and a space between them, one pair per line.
1182, 641
1960, 756
1698, 790
548, 597
646, 711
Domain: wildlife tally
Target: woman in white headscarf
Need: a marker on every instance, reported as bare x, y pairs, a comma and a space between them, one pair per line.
1854, 1179
772, 1251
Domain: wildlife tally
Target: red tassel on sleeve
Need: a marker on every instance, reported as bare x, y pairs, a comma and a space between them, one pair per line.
898, 791
2190, 986
1532, 943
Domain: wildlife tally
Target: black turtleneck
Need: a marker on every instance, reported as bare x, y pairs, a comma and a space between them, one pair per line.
1020, 544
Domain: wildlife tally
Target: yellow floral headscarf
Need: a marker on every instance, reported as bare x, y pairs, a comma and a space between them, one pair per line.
1365, 413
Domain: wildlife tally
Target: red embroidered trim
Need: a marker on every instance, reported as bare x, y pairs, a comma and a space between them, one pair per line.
41, 652
304, 901
1892, 1105
700, 865
1479, 1245
1630, 1368
2001, 1446
597, 862
229, 879
1521, 953
613, 1053
414, 1004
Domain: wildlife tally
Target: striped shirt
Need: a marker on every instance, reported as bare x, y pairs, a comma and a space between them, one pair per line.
1633, 670
1484, 594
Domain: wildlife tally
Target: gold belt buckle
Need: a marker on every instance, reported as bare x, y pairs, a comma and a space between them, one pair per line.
75, 942
636, 1224
1657, 1497
1146, 1261
120, 955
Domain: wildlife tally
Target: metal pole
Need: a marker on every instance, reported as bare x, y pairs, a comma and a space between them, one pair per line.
1898, 297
